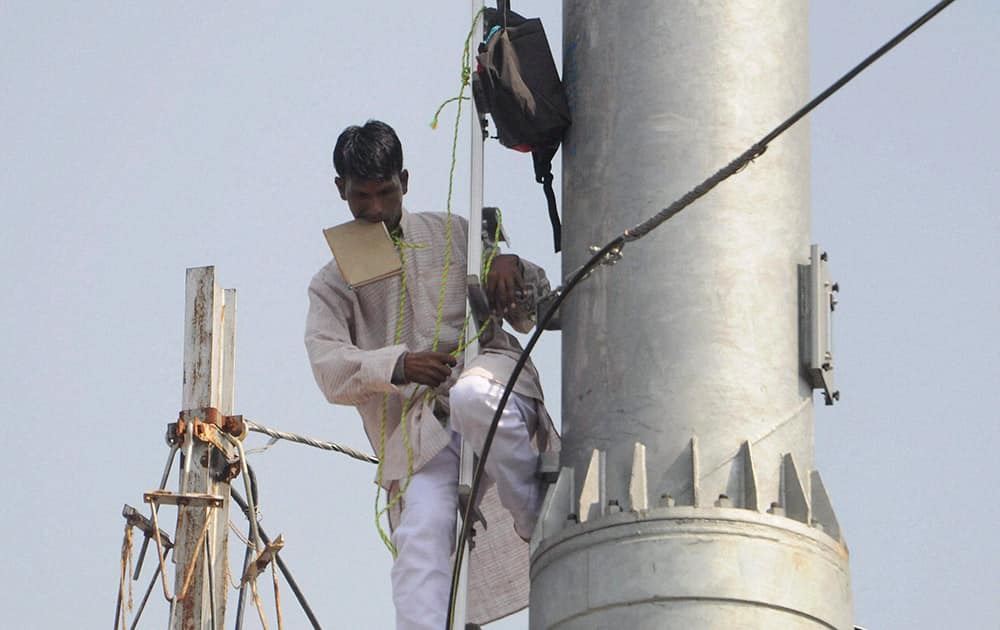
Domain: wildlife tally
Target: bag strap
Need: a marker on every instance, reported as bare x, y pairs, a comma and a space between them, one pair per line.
503, 8
542, 159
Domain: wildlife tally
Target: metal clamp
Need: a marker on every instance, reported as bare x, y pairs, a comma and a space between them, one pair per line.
612, 257
817, 301
165, 497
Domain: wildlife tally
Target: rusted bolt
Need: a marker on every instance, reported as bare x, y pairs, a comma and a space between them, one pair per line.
235, 426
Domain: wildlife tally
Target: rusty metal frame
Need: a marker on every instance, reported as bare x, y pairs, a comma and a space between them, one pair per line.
166, 497
143, 524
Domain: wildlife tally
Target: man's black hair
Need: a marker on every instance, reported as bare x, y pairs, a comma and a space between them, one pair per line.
372, 152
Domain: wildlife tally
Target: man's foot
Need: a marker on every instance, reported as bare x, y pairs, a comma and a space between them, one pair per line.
473, 626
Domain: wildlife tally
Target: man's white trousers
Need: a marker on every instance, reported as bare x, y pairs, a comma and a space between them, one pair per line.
425, 535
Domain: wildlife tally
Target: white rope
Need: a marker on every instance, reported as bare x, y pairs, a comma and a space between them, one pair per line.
251, 499
301, 439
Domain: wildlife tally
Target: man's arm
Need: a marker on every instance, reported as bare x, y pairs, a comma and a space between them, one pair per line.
345, 374
425, 368
509, 277
503, 282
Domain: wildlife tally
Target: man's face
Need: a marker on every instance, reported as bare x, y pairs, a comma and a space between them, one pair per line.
375, 201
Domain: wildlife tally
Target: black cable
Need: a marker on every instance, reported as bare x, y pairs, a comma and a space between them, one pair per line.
248, 552
561, 294
872, 58
757, 149
615, 246
242, 601
211, 584
145, 598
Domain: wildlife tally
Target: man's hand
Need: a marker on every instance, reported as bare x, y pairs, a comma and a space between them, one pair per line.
503, 282
428, 368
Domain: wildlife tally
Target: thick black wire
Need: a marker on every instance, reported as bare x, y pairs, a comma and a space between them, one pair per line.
211, 584
757, 149
241, 602
145, 598
248, 552
577, 277
640, 230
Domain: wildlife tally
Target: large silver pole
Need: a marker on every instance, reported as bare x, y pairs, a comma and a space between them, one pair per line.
688, 496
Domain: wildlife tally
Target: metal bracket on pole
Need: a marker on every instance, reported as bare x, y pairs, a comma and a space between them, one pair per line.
145, 525
165, 497
817, 301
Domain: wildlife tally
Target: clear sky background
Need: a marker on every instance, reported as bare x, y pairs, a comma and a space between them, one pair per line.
139, 139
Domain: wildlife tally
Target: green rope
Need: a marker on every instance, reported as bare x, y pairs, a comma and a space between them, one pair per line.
466, 74
439, 316
437, 114
400, 247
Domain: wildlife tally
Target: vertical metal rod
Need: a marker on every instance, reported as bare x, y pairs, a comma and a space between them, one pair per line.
473, 269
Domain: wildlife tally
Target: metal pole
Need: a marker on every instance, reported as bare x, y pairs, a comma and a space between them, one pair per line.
209, 358
686, 415
474, 255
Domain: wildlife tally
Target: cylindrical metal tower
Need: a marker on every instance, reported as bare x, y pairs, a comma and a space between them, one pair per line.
688, 496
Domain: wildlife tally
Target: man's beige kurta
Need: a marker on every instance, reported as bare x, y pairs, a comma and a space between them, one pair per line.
350, 340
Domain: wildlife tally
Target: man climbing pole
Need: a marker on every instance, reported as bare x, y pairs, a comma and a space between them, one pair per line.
392, 349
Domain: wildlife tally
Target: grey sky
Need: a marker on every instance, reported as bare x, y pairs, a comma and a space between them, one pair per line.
139, 139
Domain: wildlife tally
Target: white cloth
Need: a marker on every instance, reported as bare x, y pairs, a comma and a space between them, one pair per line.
425, 535
512, 461
350, 341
